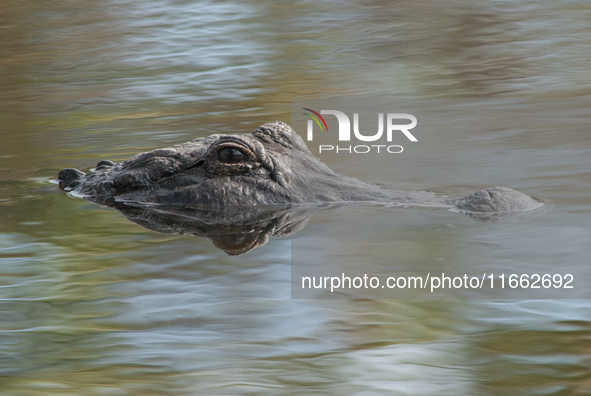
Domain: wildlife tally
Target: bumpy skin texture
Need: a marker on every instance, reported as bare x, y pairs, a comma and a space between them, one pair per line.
271, 166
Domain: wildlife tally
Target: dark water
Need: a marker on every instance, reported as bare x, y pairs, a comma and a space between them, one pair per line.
92, 304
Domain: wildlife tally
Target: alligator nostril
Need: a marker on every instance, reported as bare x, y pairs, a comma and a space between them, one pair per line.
69, 175
69, 178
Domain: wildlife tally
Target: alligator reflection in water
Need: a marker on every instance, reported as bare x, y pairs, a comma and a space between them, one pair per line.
234, 229
240, 189
237, 229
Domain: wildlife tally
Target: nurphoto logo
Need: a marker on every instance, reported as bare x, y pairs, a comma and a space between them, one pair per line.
345, 131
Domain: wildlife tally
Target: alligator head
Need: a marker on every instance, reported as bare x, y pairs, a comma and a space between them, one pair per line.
270, 166
239, 189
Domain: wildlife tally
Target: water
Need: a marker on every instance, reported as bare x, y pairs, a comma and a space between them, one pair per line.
93, 304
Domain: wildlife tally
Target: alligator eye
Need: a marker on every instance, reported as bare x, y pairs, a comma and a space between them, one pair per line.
230, 155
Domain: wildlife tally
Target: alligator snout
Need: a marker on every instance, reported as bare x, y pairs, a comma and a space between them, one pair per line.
69, 178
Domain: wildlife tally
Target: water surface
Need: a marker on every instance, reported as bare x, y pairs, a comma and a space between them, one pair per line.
92, 304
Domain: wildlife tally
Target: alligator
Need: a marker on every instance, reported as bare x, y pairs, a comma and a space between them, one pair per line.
268, 171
